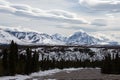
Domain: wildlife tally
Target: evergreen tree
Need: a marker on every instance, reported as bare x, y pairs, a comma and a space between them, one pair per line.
13, 57
5, 61
16, 52
107, 64
28, 67
35, 62
21, 64
116, 66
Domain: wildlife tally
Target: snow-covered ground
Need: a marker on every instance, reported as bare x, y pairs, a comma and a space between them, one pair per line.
40, 73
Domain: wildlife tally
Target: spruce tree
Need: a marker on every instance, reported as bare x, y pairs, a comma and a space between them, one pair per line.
13, 57
35, 62
116, 65
5, 61
28, 66
21, 64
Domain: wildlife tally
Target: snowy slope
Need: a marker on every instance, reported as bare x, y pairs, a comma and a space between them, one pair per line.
33, 37
82, 37
59, 37
6, 38
105, 39
40, 74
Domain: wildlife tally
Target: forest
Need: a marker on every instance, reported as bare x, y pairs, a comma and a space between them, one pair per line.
13, 62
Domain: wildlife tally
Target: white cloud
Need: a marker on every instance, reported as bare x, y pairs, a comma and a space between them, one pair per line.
7, 9
102, 5
99, 22
35, 13
21, 7
4, 3
62, 13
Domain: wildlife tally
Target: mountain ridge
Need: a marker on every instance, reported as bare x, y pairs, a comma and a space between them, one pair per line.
33, 37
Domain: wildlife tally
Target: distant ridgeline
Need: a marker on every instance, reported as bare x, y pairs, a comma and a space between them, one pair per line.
27, 60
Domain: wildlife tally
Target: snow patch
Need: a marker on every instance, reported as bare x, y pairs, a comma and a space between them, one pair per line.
40, 73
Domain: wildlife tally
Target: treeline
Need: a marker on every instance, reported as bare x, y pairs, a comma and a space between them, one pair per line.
13, 62
52, 64
111, 64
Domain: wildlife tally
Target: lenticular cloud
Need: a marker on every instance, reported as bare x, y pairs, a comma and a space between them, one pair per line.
102, 5
36, 13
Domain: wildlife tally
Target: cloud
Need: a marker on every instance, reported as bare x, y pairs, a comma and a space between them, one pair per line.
4, 3
99, 22
21, 7
102, 5
7, 9
38, 14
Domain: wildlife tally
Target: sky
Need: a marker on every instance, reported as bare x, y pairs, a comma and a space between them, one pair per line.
62, 16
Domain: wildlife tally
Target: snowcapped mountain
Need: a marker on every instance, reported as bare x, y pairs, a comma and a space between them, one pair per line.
82, 37
105, 39
24, 36
59, 37
31, 37
34, 38
6, 38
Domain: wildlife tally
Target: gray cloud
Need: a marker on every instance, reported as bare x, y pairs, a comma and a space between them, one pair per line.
35, 13
102, 5
46, 15
76, 28
99, 22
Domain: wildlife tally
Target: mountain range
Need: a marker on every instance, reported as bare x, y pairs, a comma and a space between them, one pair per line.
27, 37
